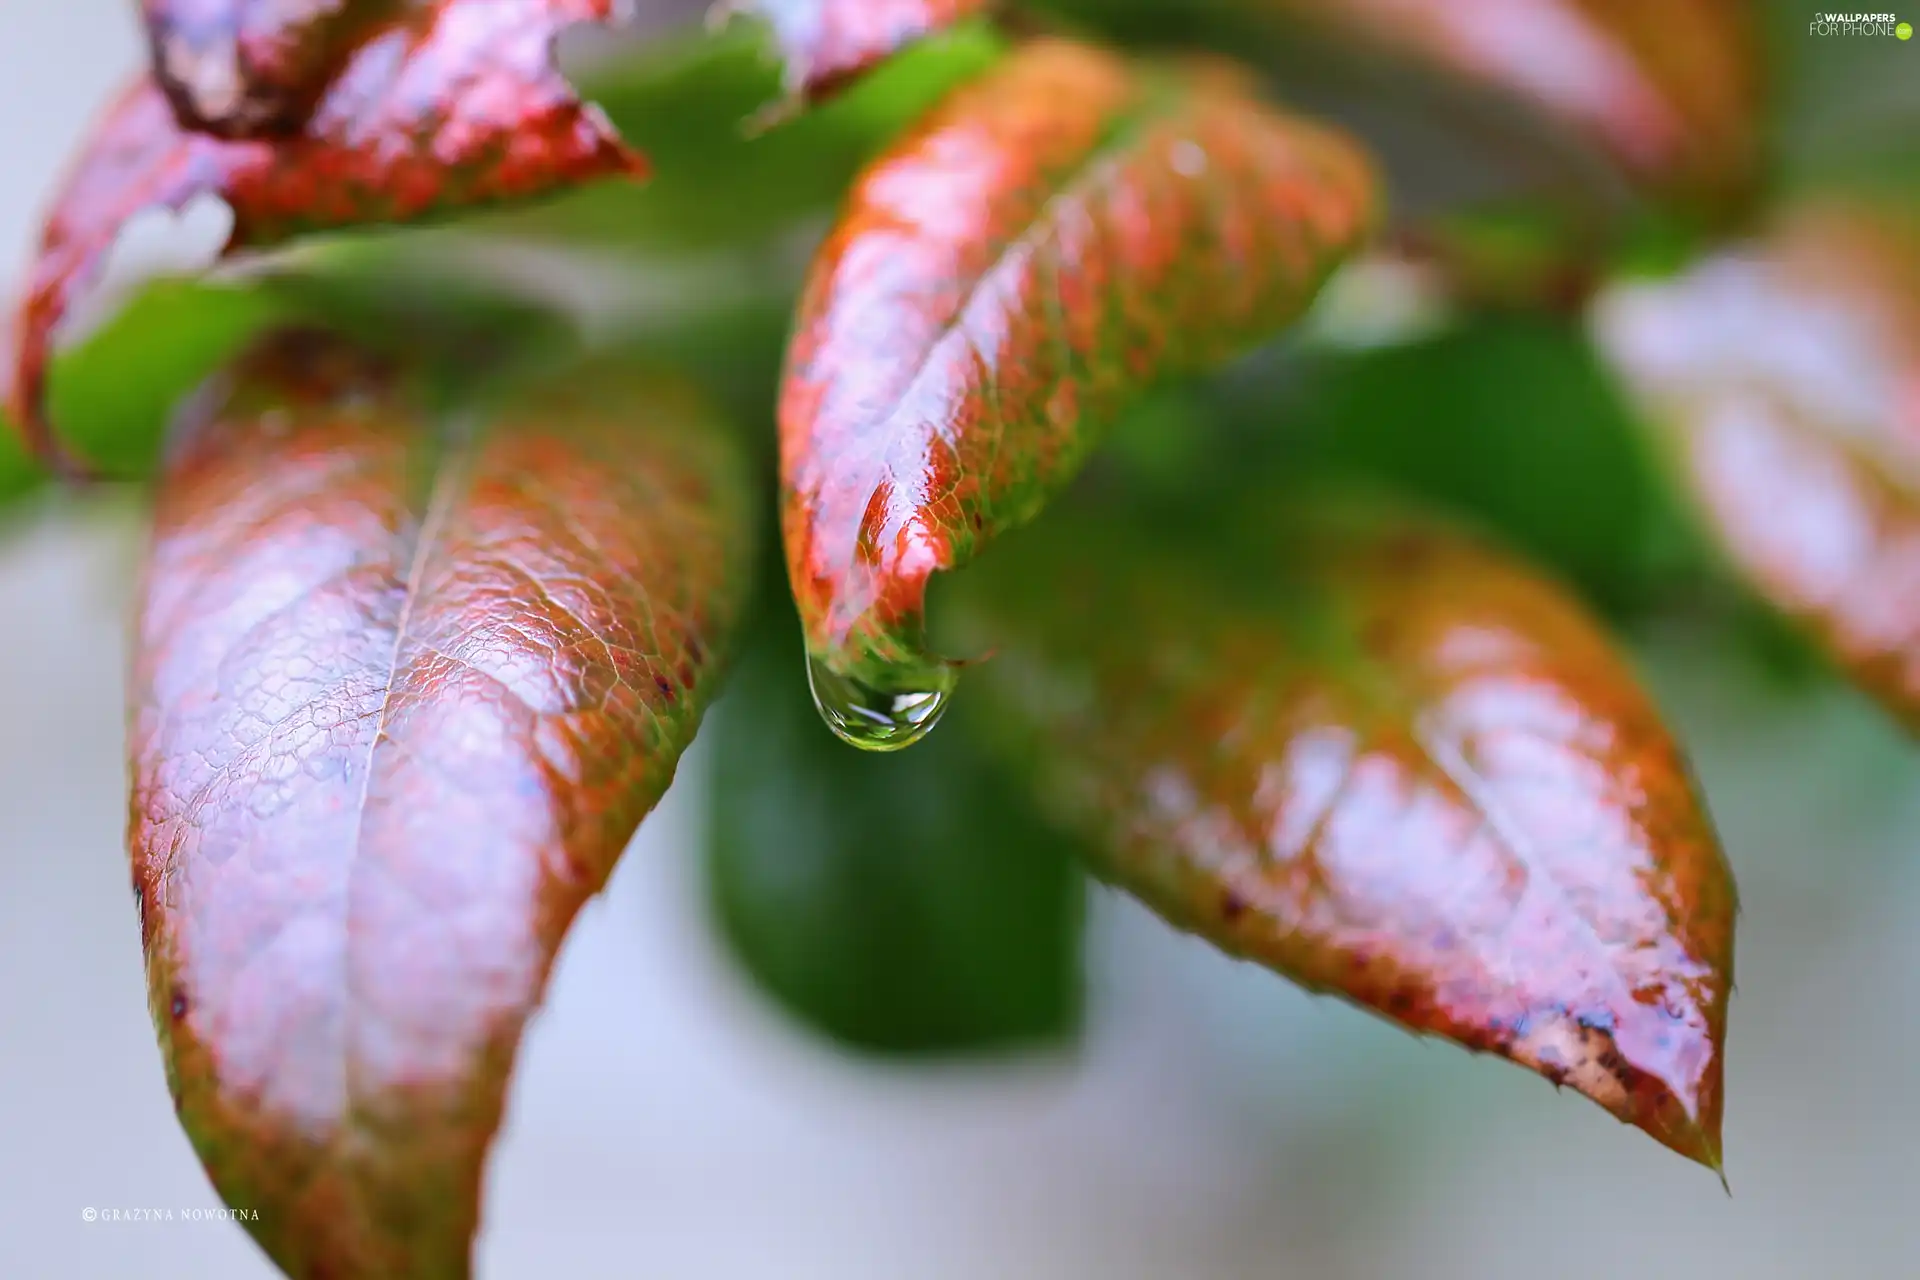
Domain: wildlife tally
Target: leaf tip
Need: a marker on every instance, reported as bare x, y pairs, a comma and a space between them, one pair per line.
1664, 1080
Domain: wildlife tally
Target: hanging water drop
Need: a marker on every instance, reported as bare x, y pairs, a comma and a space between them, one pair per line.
881, 718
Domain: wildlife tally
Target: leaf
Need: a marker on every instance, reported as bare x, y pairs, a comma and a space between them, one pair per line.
1389, 763
903, 904
684, 103
253, 68
827, 43
18, 474
459, 108
1053, 238
1510, 418
114, 390
404, 690
1783, 379
1671, 89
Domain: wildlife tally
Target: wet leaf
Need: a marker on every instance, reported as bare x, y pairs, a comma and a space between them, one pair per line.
1051, 240
1784, 380
1671, 89
1391, 764
826, 43
461, 107
908, 904
405, 687
252, 68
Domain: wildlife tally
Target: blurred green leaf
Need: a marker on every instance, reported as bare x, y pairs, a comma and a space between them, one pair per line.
18, 474
445, 299
691, 106
1508, 419
734, 351
113, 392
907, 904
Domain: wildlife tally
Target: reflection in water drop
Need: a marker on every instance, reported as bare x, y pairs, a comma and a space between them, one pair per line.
876, 718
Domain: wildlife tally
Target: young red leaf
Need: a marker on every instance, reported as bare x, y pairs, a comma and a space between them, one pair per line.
250, 68
459, 107
1671, 89
1391, 764
401, 699
1049, 241
826, 43
1785, 378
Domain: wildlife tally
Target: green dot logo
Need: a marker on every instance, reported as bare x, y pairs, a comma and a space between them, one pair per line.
1904, 31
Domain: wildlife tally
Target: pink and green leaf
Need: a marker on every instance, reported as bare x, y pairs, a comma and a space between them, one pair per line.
1783, 380
405, 686
458, 107
1050, 241
1389, 763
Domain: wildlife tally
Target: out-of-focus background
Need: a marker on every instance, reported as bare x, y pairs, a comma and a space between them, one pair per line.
1214, 1123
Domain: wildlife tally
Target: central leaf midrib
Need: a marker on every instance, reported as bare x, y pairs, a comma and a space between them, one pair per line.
1381, 685
448, 467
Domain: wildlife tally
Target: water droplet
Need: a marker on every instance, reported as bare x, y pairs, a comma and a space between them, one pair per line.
881, 718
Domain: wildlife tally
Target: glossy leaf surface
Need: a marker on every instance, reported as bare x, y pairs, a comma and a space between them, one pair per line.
402, 695
1784, 378
1671, 89
1389, 763
906, 904
458, 108
826, 43
247, 68
1052, 239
